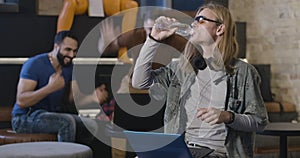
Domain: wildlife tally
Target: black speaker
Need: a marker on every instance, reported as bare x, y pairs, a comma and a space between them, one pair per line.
241, 38
264, 71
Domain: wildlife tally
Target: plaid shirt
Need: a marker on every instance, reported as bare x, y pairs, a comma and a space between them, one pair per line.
107, 111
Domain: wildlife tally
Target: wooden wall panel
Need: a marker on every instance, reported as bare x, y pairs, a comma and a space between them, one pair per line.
49, 7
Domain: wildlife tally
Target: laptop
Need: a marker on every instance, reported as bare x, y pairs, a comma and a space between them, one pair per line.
152, 145
128, 120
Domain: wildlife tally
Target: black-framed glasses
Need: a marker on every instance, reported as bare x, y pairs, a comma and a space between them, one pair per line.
200, 18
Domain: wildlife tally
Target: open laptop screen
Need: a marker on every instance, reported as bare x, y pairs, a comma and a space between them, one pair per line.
138, 112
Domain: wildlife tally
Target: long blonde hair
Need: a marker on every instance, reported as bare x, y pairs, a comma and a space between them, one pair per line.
227, 45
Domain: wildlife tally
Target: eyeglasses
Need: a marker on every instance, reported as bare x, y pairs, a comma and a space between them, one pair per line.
201, 18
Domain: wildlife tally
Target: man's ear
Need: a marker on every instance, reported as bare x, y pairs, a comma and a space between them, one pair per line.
220, 30
56, 46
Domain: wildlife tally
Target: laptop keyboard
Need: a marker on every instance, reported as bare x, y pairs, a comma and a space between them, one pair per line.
200, 152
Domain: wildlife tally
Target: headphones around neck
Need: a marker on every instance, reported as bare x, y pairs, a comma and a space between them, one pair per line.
199, 62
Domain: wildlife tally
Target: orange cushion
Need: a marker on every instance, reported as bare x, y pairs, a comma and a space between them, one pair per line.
7, 136
275, 107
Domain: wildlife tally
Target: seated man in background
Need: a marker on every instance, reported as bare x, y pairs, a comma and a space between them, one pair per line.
45, 88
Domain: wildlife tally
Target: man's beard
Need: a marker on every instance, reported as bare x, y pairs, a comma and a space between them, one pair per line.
61, 59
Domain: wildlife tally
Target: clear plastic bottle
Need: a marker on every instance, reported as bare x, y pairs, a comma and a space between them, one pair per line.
182, 29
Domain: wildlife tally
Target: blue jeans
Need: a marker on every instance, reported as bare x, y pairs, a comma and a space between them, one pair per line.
41, 121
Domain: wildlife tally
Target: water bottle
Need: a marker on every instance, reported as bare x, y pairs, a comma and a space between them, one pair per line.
182, 29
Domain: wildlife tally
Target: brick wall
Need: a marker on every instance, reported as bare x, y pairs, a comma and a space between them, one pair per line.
273, 37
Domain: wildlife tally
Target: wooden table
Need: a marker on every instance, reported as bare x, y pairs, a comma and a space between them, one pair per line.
283, 130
